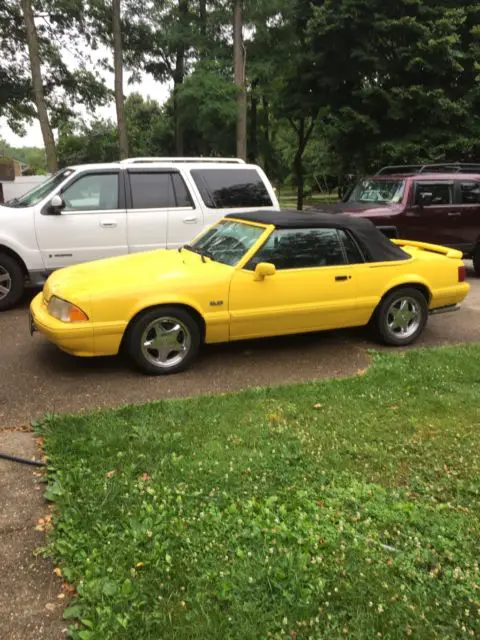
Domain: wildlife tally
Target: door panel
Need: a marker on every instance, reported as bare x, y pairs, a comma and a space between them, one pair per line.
185, 221
161, 213
467, 197
90, 227
149, 197
313, 288
292, 301
183, 225
439, 222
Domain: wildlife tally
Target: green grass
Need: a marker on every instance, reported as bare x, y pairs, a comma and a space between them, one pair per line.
339, 509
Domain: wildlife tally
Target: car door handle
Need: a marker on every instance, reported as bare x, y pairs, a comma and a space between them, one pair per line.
190, 220
454, 214
342, 278
108, 224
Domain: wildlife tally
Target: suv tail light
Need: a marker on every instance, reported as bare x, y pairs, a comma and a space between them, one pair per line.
462, 273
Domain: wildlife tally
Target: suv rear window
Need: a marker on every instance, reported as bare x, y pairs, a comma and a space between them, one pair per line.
470, 192
231, 188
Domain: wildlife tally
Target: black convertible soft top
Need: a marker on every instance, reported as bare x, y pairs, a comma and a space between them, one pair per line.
376, 246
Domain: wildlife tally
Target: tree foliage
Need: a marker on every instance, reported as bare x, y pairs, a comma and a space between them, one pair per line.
333, 86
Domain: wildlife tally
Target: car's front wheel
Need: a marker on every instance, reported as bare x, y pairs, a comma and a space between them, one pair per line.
12, 282
401, 317
163, 340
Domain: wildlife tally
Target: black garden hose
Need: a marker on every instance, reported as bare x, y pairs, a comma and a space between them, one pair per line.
33, 463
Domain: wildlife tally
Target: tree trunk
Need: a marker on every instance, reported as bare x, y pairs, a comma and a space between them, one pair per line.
266, 119
253, 144
266, 134
118, 68
239, 72
178, 78
203, 19
34, 54
303, 136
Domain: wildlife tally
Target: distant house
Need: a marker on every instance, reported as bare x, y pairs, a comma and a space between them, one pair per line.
13, 179
10, 168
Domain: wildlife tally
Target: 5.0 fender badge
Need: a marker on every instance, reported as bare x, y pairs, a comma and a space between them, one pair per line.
216, 303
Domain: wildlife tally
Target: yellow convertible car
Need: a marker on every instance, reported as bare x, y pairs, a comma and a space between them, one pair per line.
250, 275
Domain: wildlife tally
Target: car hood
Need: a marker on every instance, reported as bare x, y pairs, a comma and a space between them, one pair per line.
167, 268
362, 209
13, 211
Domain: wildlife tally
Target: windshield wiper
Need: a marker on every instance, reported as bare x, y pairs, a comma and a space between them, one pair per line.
14, 202
208, 254
188, 247
205, 253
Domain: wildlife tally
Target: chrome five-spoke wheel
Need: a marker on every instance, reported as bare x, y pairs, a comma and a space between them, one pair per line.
401, 316
164, 340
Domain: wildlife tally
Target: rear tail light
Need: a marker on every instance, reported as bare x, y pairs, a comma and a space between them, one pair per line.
462, 273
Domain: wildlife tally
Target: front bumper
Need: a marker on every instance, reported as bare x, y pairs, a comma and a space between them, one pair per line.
75, 338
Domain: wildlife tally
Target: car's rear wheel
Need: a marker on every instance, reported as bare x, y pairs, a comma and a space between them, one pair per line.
12, 282
164, 340
401, 317
476, 262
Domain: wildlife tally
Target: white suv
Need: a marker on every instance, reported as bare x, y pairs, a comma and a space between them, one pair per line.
88, 212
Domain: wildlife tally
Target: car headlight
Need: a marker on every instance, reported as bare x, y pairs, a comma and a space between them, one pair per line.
65, 311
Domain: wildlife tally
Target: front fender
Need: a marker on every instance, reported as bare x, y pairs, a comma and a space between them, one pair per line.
29, 256
156, 300
217, 320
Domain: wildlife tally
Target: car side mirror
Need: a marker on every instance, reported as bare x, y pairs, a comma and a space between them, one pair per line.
425, 199
56, 205
264, 269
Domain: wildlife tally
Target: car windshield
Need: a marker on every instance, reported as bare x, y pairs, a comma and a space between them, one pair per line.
378, 191
227, 241
37, 194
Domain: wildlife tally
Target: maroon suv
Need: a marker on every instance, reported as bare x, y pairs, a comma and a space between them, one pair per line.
432, 203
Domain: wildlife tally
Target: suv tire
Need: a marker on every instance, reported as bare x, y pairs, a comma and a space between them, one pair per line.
174, 336
12, 282
476, 261
401, 317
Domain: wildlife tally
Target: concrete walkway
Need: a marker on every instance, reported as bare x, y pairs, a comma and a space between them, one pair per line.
29, 605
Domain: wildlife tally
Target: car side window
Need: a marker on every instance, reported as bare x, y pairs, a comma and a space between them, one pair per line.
301, 249
92, 192
231, 188
152, 190
181, 192
441, 192
351, 248
469, 192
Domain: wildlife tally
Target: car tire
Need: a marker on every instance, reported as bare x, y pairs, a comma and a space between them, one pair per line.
163, 341
401, 317
12, 282
476, 261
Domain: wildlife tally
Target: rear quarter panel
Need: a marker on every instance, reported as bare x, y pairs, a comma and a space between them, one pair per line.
436, 273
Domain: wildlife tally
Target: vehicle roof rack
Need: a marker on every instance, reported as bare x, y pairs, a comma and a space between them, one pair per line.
415, 169
206, 160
